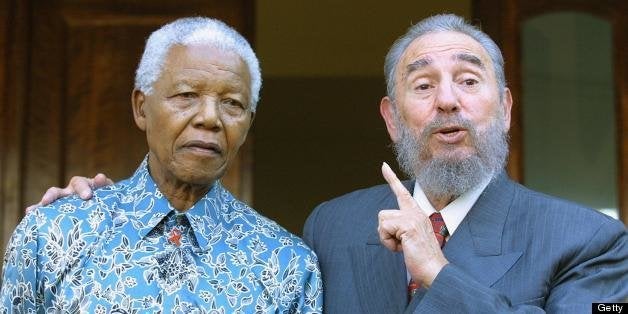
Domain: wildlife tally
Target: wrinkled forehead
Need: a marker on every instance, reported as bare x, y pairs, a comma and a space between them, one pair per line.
443, 45
202, 60
205, 54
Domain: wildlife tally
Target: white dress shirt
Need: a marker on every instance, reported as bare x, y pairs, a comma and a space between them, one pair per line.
454, 212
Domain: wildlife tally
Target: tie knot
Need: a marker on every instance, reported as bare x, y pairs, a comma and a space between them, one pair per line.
440, 230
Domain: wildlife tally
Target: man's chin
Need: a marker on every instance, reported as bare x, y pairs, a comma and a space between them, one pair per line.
199, 173
450, 177
202, 178
453, 156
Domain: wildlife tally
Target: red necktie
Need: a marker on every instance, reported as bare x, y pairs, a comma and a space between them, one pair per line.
440, 232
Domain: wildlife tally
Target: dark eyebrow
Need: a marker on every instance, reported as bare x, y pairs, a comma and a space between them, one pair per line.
471, 59
417, 64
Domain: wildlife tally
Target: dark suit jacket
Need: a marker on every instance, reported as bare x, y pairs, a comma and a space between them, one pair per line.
516, 251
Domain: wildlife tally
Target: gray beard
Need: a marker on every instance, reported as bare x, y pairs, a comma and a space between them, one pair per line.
449, 176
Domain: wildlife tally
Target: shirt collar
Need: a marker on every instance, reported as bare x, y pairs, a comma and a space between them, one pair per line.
149, 206
454, 212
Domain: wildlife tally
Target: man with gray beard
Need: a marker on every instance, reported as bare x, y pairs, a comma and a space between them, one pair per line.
460, 237
444, 177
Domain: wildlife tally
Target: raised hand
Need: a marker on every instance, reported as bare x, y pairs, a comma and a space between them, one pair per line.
78, 185
408, 229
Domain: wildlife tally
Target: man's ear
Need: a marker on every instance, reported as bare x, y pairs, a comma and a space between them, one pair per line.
138, 99
386, 109
507, 107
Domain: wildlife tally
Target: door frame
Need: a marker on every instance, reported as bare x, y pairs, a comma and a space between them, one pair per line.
502, 21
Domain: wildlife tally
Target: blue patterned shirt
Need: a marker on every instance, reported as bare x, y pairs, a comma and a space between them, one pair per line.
127, 250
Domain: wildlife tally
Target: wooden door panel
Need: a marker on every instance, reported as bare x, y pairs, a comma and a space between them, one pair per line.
44, 107
99, 122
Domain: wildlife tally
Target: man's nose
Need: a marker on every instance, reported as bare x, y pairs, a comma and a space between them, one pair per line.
208, 114
446, 98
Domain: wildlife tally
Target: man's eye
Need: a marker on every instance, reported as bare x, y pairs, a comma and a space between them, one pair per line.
470, 82
232, 102
187, 95
422, 87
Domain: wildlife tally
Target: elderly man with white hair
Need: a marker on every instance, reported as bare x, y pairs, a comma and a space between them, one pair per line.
170, 237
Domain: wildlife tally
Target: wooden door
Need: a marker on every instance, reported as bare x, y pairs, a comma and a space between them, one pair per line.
66, 76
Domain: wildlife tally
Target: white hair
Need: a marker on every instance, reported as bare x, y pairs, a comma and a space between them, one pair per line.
190, 31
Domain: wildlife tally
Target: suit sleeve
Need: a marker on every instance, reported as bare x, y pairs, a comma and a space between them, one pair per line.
598, 273
310, 224
19, 274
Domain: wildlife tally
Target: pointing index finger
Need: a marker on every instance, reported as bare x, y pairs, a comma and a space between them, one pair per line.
404, 199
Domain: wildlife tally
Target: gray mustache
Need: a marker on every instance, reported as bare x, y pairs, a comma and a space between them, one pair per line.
442, 121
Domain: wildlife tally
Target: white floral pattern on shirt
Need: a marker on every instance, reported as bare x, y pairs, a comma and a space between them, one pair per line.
115, 254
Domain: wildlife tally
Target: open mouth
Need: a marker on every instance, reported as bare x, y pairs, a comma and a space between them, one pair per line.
450, 134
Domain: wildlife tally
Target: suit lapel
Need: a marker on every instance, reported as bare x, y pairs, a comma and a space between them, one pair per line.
483, 229
486, 269
476, 246
380, 275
